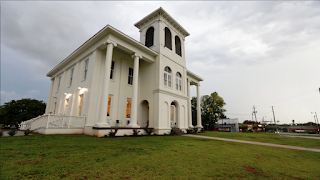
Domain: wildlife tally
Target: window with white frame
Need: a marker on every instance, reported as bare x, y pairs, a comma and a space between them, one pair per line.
80, 104
71, 76
85, 71
112, 70
167, 76
109, 105
128, 111
130, 76
58, 87
178, 81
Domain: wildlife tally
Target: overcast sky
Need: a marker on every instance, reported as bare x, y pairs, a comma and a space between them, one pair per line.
252, 53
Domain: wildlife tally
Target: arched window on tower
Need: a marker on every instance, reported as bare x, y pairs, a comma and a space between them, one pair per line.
167, 76
149, 37
178, 81
178, 45
168, 40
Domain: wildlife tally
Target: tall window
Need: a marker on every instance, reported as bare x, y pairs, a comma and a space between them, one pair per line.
149, 37
112, 70
178, 81
71, 76
130, 76
128, 112
167, 76
109, 105
80, 104
178, 45
85, 69
58, 87
55, 106
66, 108
168, 40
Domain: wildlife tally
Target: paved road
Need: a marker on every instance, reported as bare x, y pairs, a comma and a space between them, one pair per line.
309, 136
256, 143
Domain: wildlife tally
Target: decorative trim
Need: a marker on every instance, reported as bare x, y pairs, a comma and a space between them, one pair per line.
170, 93
110, 42
136, 55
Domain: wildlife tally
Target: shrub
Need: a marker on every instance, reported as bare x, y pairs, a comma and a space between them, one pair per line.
135, 132
195, 130
312, 132
202, 130
27, 132
113, 132
0, 133
149, 131
12, 132
189, 131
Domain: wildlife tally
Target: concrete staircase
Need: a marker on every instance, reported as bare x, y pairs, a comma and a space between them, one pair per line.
178, 131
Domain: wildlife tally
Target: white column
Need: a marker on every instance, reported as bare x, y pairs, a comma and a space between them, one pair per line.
198, 108
102, 121
189, 106
134, 103
49, 98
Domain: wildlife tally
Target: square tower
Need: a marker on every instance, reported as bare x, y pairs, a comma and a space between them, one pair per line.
163, 34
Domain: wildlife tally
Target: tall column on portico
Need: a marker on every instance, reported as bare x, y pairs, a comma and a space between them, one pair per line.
189, 105
199, 125
134, 105
102, 122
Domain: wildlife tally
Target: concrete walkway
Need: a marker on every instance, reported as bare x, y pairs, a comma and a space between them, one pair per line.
256, 143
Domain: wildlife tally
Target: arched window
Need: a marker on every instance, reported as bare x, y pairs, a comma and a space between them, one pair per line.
149, 37
178, 45
178, 81
168, 40
167, 76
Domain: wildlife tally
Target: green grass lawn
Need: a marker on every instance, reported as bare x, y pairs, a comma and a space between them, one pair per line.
266, 138
155, 157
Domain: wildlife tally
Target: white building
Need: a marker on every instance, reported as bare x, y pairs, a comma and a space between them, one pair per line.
116, 81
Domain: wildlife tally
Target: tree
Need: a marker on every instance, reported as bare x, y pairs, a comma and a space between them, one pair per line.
211, 109
14, 112
248, 121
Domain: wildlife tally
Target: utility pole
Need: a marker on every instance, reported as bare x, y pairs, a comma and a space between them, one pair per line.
316, 120
255, 113
274, 118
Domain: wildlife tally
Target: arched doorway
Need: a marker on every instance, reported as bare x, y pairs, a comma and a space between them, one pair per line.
144, 122
174, 112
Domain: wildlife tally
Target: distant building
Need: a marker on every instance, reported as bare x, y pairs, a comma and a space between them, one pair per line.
227, 125
250, 127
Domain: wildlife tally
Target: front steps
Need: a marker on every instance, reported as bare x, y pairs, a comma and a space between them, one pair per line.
178, 131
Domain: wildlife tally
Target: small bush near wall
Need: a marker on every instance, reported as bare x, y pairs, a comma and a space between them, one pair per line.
12, 132
189, 131
135, 132
195, 130
149, 131
112, 132
1, 133
202, 130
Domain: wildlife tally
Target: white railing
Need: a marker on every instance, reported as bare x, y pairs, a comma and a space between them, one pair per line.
49, 121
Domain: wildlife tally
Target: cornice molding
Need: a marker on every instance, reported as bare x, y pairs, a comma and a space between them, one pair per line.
170, 93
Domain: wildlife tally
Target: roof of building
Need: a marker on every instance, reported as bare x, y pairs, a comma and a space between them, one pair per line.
95, 38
